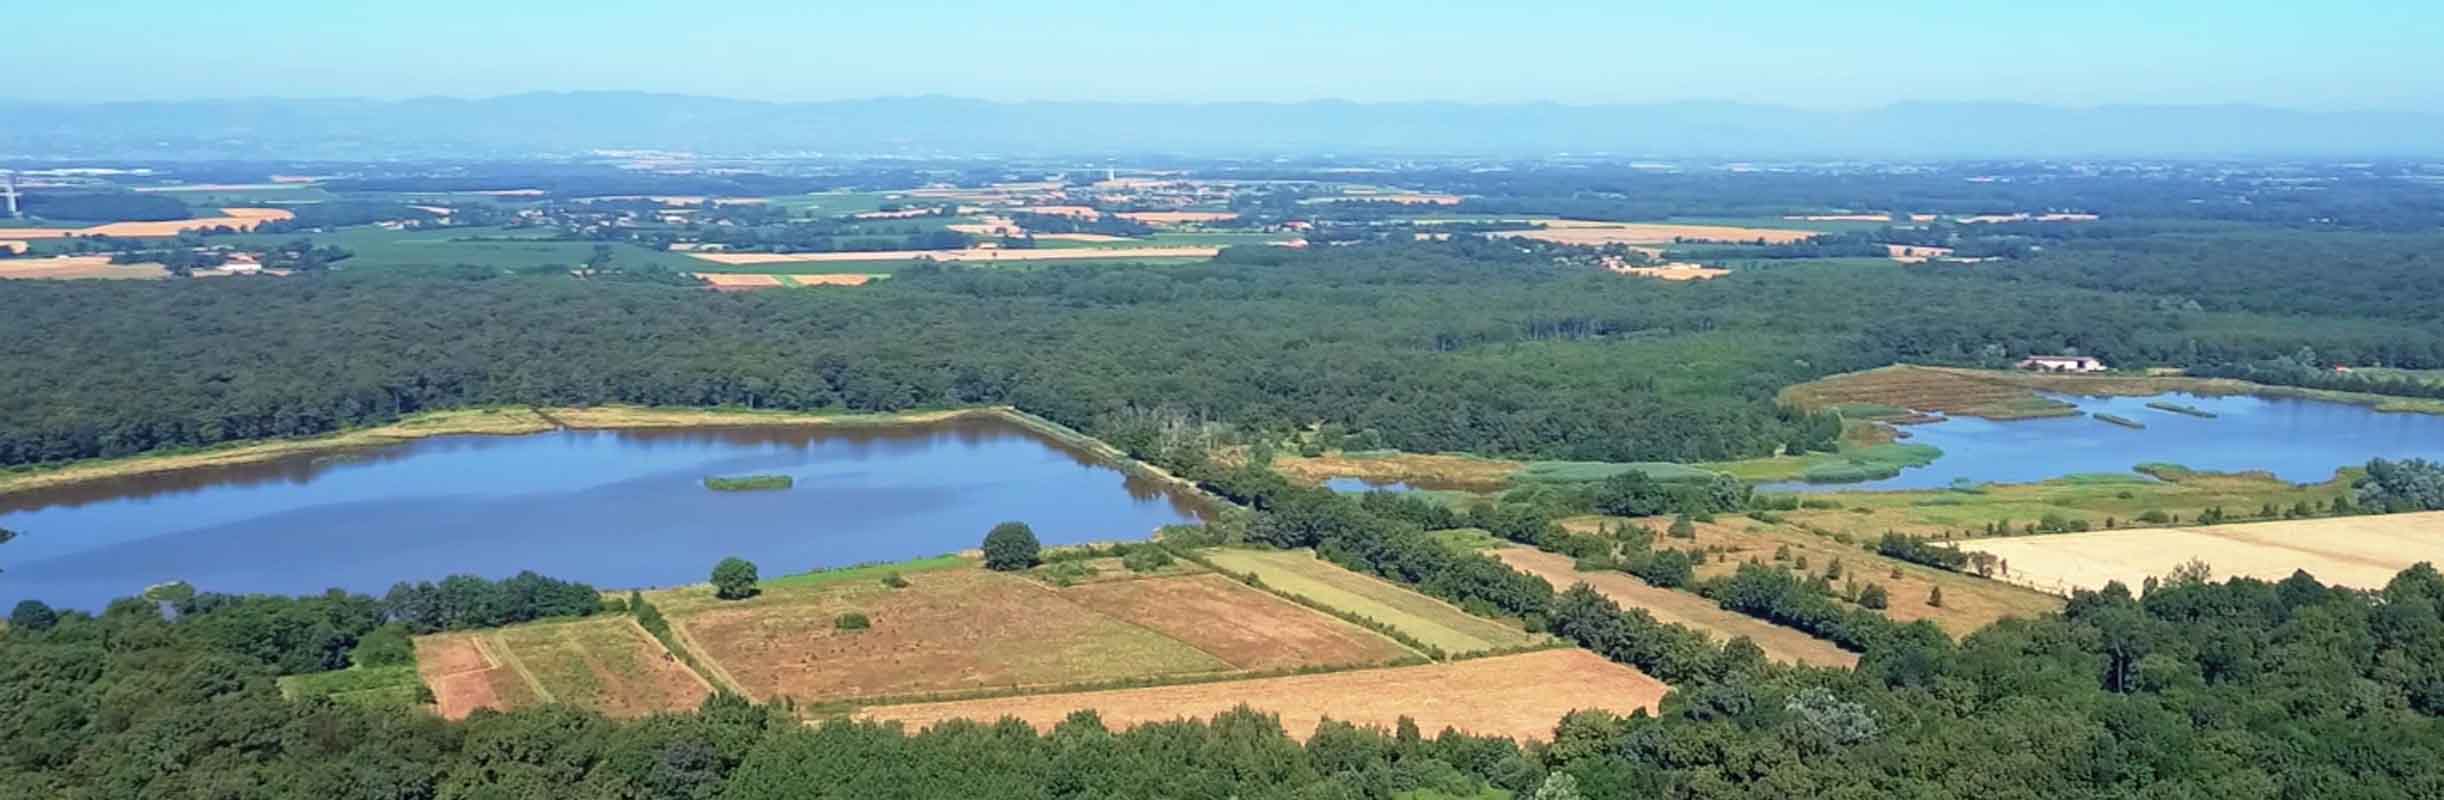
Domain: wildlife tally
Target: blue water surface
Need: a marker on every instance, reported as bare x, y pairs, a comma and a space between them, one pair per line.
2302, 441
615, 508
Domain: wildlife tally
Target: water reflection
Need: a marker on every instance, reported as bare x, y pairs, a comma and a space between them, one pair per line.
619, 508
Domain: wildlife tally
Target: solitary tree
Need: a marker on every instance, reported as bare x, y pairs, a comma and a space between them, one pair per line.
1011, 546
1682, 528
1874, 596
1935, 597
32, 615
734, 579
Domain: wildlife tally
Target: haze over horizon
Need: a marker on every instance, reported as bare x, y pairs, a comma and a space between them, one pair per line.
2344, 56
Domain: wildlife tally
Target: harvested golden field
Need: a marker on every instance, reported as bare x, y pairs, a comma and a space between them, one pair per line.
1422, 618
2360, 552
2027, 217
951, 630
1519, 696
832, 280
1580, 232
1783, 644
1245, 627
244, 219
72, 267
1969, 603
465, 673
734, 282
985, 254
1177, 217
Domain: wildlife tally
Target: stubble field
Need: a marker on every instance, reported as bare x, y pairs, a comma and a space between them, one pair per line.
1517, 695
2360, 552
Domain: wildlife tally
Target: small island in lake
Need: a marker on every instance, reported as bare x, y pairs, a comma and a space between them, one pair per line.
2178, 408
750, 483
2123, 421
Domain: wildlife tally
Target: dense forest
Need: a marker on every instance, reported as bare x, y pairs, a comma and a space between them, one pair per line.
1469, 345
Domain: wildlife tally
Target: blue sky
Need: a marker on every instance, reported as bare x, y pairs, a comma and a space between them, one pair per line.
2330, 55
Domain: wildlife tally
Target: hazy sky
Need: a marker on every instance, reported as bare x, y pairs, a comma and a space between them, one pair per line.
2326, 54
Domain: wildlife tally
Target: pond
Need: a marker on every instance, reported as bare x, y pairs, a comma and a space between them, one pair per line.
2302, 441
618, 509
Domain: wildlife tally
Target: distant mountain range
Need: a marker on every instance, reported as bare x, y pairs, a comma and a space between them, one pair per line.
570, 123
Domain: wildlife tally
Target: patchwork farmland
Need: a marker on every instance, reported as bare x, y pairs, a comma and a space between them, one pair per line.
605, 664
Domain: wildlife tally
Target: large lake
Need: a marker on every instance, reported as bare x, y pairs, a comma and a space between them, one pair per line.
2302, 441
616, 508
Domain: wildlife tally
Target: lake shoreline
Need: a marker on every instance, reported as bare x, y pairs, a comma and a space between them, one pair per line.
497, 421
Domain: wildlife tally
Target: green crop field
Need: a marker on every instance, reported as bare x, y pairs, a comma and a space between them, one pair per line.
359, 686
1423, 618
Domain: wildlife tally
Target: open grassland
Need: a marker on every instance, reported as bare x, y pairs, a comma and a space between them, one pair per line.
947, 631
1682, 608
1969, 603
2361, 552
1517, 695
369, 687
1245, 627
608, 664
1652, 233
1173, 218
75, 268
1417, 616
466, 671
2095, 499
1853, 462
973, 254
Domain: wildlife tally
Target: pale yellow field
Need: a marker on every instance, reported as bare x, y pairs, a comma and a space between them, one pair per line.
1676, 272
1914, 254
244, 219
68, 267
970, 254
14, 246
2363, 552
1519, 696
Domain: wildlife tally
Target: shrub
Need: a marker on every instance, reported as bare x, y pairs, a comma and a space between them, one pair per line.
1874, 596
1935, 598
1147, 559
386, 646
894, 580
1012, 546
852, 621
734, 579
1683, 528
